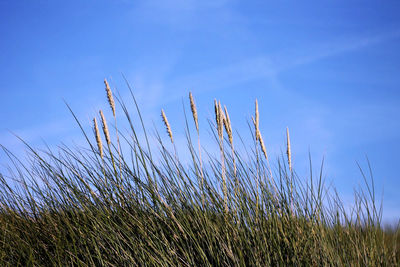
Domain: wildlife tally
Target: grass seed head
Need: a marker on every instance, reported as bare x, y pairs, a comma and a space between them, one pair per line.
262, 144
220, 121
228, 126
110, 97
98, 137
216, 108
217, 117
257, 130
105, 127
288, 151
194, 111
260, 139
167, 126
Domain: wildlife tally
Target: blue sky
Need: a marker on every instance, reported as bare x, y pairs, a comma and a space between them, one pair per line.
329, 70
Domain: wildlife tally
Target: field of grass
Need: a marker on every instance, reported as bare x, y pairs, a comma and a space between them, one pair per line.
98, 206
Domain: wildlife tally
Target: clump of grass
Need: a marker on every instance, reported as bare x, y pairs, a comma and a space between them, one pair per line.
72, 207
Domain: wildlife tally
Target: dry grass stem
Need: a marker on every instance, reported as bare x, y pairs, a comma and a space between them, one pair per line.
195, 118
98, 137
167, 126
194, 111
112, 105
110, 97
221, 128
219, 117
228, 128
105, 128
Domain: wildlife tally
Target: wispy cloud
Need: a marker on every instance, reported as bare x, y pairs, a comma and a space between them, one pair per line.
153, 87
321, 50
260, 67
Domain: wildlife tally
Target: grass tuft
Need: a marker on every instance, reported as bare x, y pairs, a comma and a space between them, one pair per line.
147, 208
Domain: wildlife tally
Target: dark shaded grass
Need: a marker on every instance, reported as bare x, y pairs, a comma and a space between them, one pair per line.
137, 237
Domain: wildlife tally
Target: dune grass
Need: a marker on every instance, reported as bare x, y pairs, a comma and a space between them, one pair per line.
95, 206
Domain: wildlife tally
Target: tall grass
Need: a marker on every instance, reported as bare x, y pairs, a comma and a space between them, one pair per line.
97, 206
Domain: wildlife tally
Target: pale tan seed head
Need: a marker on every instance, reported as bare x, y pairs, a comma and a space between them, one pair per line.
194, 111
257, 130
228, 126
167, 126
220, 121
98, 138
110, 97
264, 150
216, 109
288, 151
221, 112
218, 118
105, 127
260, 140
255, 127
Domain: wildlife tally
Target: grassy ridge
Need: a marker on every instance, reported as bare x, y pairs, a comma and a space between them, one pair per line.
97, 206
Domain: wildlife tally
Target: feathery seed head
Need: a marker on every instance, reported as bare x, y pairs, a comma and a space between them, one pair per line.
260, 140
167, 126
257, 130
194, 111
220, 121
220, 110
288, 151
228, 126
217, 116
264, 150
98, 138
105, 127
216, 108
110, 97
